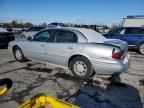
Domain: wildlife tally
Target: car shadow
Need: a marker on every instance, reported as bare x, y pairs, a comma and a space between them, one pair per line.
141, 82
38, 69
94, 95
66, 77
28, 67
114, 96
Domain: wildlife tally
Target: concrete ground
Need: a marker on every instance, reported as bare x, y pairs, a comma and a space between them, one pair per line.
31, 78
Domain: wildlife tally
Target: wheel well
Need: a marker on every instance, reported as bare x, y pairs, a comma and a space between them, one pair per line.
141, 43
72, 57
14, 47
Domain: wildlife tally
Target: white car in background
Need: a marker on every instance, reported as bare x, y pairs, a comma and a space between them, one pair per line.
31, 32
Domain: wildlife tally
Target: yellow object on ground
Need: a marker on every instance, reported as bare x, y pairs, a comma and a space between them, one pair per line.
44, 101
7, 84
3, 91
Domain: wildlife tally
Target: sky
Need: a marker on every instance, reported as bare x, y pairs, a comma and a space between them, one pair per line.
73, 11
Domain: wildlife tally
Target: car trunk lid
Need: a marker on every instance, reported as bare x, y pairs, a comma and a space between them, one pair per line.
119, 43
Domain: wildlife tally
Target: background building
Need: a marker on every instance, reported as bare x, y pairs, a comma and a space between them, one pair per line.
133, 21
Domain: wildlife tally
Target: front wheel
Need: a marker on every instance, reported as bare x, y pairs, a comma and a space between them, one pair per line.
18, 54
141, 49
81, 67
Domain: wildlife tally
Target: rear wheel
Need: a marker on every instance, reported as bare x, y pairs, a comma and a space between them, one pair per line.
81, 67
18, 54
141, 49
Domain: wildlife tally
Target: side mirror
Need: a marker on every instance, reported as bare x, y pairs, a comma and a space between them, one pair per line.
29, 38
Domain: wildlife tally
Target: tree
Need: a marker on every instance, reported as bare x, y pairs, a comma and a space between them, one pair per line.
28, 25
14, 24
6, 25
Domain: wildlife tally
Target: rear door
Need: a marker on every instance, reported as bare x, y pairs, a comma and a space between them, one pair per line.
132, 36
64, 45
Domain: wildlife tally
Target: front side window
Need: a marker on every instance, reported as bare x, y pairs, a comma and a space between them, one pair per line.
44, 36
122, 31
119, 31
133, 31
63, 36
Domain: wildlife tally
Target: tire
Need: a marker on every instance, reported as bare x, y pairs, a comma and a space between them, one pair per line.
18, 54
81, 67
141, 49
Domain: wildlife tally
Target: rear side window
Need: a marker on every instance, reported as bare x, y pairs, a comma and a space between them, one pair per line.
64, 36
134, 31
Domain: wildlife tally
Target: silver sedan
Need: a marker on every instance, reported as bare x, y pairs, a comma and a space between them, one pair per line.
81, 50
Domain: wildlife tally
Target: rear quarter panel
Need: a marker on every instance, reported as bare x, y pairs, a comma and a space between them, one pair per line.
98, 50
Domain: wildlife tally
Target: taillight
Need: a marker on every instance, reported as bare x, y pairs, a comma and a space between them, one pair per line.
117, 55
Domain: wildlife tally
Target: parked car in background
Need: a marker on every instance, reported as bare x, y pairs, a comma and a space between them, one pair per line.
55, 24
83, 51
134, 36
31, 31
5, 37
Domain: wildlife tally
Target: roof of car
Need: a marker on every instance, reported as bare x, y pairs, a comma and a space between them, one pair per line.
90, 34
3, 30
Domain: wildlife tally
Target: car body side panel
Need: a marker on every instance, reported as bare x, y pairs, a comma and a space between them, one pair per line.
57, 53
131, 39
35, 50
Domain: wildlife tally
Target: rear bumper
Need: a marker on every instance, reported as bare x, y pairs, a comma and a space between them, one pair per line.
107, 68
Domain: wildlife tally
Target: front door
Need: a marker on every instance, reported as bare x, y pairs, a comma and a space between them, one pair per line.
36, 48
65, 43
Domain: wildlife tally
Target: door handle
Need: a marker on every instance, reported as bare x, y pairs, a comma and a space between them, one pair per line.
70, 47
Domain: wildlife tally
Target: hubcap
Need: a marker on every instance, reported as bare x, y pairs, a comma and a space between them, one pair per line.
18, 54
142, 49
80, 68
